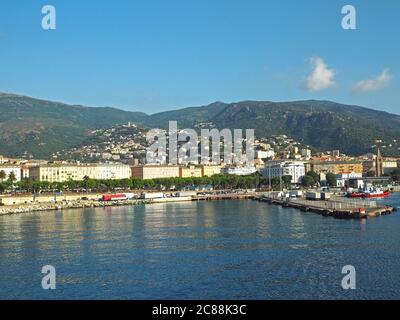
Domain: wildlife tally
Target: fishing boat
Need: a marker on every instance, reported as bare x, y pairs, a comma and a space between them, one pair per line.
369, 192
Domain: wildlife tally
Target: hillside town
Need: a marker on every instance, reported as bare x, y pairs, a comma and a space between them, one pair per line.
119, 154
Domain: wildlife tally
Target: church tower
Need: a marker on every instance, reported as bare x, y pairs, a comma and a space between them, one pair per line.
378, 164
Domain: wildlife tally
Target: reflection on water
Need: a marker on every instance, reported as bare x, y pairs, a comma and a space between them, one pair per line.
204, 250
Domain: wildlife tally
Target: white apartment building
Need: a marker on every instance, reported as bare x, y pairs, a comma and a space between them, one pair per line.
260, 154
306, 153
240, 171
8, 169
275, 169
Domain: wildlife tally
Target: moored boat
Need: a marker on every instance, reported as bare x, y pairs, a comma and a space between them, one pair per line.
371, 192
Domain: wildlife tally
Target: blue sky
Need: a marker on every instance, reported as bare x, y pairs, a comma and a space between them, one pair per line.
157, 55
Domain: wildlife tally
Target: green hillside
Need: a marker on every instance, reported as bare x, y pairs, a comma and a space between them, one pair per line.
40, 128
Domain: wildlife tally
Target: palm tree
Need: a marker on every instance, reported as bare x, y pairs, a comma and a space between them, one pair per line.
12, 177
86, 180
2, 175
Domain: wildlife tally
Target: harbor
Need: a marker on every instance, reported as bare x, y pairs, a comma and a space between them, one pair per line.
336, 206
190, 248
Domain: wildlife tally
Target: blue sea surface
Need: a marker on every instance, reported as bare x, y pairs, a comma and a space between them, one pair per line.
199, 250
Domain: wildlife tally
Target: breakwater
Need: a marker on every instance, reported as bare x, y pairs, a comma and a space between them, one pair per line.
81, 204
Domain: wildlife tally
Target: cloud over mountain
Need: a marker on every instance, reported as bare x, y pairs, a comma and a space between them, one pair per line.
321, 76
377, 83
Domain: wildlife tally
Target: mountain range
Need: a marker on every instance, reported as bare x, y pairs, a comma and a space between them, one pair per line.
35, 127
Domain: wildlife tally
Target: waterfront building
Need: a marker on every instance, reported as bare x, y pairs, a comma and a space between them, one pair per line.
111, 171
240, 171
389, 164
210, 170
335, 167
24, 172
174, 171
77, 172
191, 172
343, 178
155, 171
8, 169
276, 169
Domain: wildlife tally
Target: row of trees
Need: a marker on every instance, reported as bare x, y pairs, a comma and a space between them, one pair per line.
220, 181
11, 177
312, 179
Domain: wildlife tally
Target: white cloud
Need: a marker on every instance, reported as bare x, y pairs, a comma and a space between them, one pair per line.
373, 84
321, 77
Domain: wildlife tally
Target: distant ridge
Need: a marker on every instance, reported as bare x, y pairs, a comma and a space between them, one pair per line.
41, 127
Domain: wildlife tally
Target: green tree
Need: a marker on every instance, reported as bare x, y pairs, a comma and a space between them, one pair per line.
307, 181
287, 181
331, 179
314, 175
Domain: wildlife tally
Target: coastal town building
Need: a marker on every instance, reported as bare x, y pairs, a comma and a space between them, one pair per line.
174, 171
335, 167
155, 171
343, 178
210, 170
240, 171
190, 172
276, 169
261, 154
77, 172
389, 164
306, 153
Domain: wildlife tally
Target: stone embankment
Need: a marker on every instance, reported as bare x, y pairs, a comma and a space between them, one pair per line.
80, 204
6, 210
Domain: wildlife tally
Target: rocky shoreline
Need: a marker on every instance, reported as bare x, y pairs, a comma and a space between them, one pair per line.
80, 204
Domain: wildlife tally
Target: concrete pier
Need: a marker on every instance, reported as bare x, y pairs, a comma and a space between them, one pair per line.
334, 209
